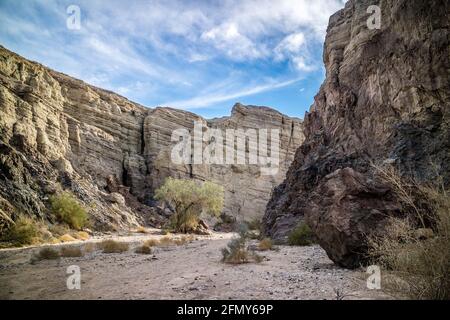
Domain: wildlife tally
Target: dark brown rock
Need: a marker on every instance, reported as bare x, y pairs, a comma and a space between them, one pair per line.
385, 99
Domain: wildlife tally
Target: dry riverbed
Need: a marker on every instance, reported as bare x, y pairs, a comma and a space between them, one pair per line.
189, 271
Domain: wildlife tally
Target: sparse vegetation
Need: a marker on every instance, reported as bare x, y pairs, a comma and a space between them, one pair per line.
237, 252
265, 244
66, 238
165, 241
141, 230
302, 235
71, 252
81, 235
58, 230
48, 254
254, 224
24, 231
188, 200
90, 247
151, 243
112, 246
144, 249
68, 210
415, 248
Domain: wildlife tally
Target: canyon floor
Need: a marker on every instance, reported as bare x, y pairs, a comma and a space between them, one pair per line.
189, 271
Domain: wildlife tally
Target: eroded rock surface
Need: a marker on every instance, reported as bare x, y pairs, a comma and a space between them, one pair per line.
385, 99
58, 133
247, 188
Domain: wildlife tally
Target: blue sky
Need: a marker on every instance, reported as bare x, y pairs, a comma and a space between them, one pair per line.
201, 56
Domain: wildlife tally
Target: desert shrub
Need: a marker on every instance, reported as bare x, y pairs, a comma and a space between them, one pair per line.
69, 210
188, 199
302, 235
48, 254
59, 229
151, 243
112, 246
24, 231
144, 249
414, 250
71, 252
265, 244
66, 238
254, 224
166, 241
81, 235
141, 230
90, 247
183, 240
237, 251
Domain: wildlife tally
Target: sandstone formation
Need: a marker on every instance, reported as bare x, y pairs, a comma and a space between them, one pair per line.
247, 189
58, 133
385, 100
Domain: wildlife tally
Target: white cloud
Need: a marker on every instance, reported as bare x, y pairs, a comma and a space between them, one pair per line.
174, 48
293, 43
206, 100
230, 41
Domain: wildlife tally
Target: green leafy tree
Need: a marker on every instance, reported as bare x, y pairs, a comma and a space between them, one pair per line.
188, 199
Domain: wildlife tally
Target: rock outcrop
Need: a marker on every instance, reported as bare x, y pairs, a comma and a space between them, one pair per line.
247, 188
385, 99
58, 133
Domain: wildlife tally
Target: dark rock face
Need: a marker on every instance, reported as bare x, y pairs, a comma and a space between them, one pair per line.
385, 99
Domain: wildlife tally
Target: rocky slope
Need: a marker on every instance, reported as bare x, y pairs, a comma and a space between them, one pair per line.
58, 133
385, 100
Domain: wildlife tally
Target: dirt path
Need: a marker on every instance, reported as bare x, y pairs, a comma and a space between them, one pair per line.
190, 271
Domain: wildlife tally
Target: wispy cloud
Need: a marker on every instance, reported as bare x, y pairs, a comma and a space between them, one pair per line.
156, 51
207, 100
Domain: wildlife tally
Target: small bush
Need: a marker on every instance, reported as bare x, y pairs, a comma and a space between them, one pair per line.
24, 231
48, 254
69, 210
237, 252
151, 243
302, 235
71, 252
58, 230
144, 249
141, 230
414, 250
90, 247
265, 244
165, 241
112, 246
81, 235
254, 224
66, 238
183, 240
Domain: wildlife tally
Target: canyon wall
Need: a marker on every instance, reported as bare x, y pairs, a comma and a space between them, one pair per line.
58, 133
385, 100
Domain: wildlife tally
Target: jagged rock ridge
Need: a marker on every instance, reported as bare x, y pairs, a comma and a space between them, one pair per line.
385, 99
58, 133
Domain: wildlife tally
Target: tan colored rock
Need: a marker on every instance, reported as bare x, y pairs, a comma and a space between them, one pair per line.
247, 190
59, 131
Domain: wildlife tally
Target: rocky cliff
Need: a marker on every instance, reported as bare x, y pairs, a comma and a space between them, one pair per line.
385, 100
58, 133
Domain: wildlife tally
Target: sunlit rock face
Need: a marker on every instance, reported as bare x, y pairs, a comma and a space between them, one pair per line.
385, 99
58, 133
247, 187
